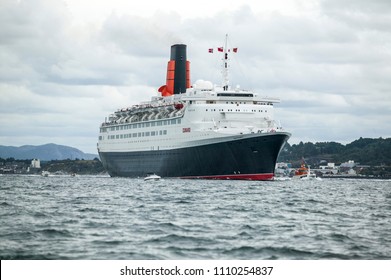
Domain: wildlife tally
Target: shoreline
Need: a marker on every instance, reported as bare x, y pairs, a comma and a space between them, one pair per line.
354, 177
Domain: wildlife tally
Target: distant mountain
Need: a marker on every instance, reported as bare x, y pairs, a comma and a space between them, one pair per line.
44, 152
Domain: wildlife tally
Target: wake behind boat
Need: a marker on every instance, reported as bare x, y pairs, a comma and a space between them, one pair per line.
199, 131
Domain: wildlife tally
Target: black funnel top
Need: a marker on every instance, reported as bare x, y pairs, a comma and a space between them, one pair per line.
178, 53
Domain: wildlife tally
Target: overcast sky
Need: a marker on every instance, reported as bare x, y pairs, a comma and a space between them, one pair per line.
67, 64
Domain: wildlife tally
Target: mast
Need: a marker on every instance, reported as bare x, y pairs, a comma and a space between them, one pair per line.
224, 71
225, 65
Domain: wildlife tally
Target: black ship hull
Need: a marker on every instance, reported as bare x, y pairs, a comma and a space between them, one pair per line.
251, 157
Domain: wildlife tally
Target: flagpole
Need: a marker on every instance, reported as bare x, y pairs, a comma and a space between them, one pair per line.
225, 65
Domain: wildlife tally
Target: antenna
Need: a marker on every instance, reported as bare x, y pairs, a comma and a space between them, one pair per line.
225, 65
225, 59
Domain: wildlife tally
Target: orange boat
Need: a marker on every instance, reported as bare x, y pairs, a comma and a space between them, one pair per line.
304, 173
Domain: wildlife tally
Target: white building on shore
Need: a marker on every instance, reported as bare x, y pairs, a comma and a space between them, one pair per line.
35, 163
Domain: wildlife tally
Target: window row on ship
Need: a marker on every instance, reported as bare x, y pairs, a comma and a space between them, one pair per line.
140, 125
233, 102
134, 135
236, 110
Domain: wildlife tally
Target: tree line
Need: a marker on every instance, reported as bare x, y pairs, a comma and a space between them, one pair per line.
71, 166
366, 151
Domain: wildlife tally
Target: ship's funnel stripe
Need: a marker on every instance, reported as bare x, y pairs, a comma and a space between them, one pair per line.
170, 81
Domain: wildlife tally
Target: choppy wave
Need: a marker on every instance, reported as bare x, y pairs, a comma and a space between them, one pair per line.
119, 218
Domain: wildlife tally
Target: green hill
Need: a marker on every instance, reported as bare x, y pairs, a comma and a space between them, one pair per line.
366, 151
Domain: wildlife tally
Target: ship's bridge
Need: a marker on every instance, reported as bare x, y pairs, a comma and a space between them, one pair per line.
231, 111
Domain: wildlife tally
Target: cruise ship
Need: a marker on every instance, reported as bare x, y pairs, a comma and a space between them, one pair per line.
194, 131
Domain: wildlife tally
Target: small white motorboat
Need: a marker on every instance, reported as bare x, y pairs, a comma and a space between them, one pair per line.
152, 177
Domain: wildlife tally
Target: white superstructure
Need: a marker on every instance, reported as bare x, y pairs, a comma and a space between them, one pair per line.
183, 120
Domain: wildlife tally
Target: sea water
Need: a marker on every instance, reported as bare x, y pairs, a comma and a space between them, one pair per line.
90, 217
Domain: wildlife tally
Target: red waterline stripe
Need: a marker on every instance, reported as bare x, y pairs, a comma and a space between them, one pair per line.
253, 177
